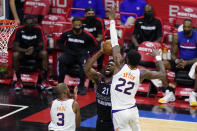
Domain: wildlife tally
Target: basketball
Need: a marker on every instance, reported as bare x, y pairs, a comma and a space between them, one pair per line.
107, 47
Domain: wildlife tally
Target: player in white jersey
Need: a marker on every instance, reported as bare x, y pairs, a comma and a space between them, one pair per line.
65, 112
126, 80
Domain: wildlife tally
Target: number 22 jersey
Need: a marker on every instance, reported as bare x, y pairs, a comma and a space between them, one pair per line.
124, 87
62, 116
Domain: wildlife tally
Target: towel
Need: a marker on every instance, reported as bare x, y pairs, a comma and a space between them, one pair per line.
192, 71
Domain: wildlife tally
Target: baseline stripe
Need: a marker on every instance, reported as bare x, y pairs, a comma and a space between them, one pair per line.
13, 112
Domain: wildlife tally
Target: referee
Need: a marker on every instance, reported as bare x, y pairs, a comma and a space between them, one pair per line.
103, 98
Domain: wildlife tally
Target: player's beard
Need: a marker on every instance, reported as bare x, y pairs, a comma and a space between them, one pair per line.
187, 32
148, 16
91, 20
28, 28
77, 30
109, 75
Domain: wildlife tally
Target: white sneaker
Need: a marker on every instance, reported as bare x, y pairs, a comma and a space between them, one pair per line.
169, 97
192, 99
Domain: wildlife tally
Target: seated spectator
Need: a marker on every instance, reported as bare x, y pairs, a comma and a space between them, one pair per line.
95, 26
97, 5
28, 43
76, 43
16, 7
131, 6
147, 28
184, 43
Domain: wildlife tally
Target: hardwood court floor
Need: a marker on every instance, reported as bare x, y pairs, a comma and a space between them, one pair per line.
149, 124
29, 111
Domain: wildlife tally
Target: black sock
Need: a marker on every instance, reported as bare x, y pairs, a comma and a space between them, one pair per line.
171, 89
44, 75
18, 76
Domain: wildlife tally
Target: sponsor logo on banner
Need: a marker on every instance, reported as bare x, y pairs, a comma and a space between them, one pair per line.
149, 44
3, 55
35, 3
182, 11
26, 78
3, 60
144, 49
171, 74
53, 18
59, 6
112, 3
189, 10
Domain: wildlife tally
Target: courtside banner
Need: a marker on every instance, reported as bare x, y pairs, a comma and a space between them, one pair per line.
37, 7
53, 24
112, 3
61, 7
176, 10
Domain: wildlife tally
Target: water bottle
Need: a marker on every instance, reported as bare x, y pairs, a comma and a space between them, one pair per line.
169, 55
51, 42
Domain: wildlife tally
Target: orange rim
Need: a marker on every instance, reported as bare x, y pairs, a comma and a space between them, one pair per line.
8, 23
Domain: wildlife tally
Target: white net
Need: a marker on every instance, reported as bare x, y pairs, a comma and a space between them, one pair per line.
7, 27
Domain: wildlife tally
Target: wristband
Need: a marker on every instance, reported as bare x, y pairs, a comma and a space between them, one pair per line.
158, 58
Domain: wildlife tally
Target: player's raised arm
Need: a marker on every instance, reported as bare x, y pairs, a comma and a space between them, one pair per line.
159, 74
89, 71
114, 40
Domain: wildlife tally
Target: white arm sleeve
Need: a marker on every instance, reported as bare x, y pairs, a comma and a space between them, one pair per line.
113, 33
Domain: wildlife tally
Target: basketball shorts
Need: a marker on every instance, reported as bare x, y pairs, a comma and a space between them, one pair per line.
126, 120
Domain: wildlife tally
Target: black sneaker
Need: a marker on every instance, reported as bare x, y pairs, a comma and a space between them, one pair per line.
18, 86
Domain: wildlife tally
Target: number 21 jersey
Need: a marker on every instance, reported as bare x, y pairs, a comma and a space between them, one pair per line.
124, 87
62, 116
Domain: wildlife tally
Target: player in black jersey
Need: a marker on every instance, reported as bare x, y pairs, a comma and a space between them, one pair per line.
93, 24
96, 27
103, 99
76, 43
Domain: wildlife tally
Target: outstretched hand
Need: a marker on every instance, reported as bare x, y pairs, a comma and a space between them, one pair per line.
155, 52
111, 13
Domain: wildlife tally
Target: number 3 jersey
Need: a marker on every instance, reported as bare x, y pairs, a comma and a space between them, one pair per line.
124, 87
62, 116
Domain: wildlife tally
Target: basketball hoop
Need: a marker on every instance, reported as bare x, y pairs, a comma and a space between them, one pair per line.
7, 27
